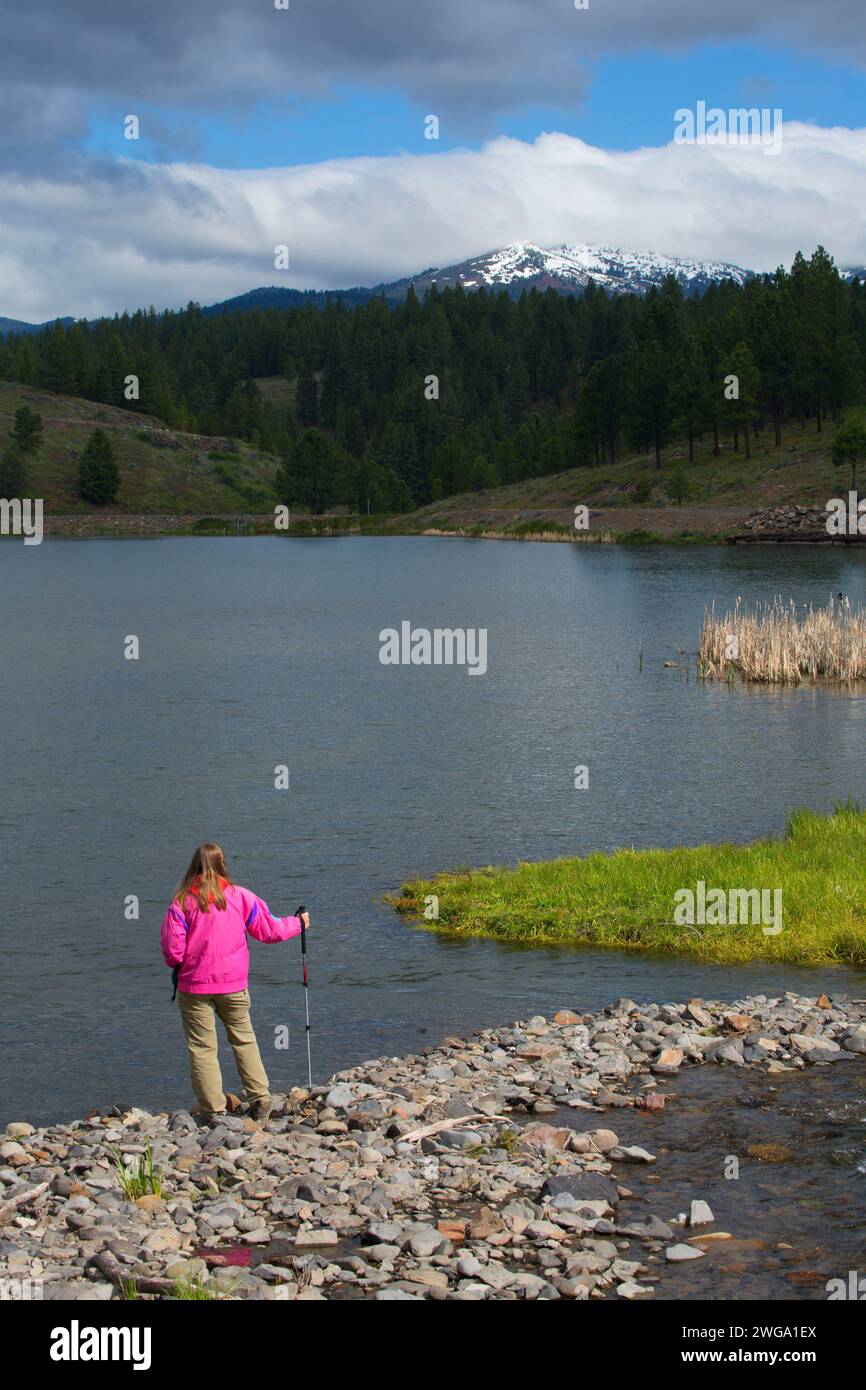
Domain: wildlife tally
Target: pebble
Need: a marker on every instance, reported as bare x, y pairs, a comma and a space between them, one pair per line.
329, 1195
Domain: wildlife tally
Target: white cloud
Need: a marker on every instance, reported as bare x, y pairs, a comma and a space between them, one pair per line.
114, 237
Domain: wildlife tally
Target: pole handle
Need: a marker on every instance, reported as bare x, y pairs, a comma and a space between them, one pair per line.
298, 913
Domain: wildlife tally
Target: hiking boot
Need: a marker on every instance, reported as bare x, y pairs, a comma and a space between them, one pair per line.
260, 1110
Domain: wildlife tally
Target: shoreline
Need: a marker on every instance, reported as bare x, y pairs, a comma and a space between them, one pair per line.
146, 527
629, 525
448, 1174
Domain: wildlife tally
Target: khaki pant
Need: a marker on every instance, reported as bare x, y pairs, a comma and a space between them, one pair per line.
199, 1013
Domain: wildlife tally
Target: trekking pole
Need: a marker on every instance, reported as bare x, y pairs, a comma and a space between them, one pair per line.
301, 910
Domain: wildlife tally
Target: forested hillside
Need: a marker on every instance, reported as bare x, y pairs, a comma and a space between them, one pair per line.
400, 406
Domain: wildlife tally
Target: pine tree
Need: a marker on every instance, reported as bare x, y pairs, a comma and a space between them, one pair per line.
13, 471
849, 446
99, 475
27, 429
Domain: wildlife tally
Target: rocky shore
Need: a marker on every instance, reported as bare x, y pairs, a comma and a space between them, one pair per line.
792, 524
484, 1168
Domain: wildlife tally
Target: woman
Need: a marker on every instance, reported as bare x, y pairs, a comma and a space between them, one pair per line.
204, 936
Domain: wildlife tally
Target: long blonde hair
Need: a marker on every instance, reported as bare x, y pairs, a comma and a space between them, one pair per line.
205, 879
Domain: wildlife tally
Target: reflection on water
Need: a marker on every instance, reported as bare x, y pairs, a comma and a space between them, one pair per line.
260, 652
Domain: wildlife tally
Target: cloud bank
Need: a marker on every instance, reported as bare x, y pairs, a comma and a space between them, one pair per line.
107, 238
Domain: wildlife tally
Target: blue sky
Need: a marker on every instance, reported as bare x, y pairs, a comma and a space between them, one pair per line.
630, 102
244, 110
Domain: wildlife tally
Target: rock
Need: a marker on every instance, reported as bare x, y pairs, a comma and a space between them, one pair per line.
855, 1039
79, 1290
324, 1236
533, 1286
620, 1008
426, 1241
565, 1017
382, 1254
586, 1262
453, 1230
654, 1101
544, 1230
487, 1223
546, 1136
647, 1228
495, 1276
430, 1278
632, 1154
614, 1064
739, 1023
813, 1047
669, 1060
603, 1140
695, 1010
583, 1186
701, 1214
389, 1232
12, 1152
150, 1202
675, 1253
340, 1097
721, 1050
629, 1289
457, 1139
19, 1129
162, 1238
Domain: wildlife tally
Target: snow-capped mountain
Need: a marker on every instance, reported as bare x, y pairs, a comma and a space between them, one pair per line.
522, 266
569, 269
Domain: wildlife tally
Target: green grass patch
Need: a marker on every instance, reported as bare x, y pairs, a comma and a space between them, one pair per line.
195, 1290
141, 1180
627, 900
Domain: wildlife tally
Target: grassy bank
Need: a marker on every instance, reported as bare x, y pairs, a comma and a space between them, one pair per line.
631, 499
626, 900
162, 471
173, 473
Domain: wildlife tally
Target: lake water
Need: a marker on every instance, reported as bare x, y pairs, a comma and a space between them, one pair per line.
260, 652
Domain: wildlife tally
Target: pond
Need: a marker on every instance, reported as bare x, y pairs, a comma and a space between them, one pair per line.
258, 654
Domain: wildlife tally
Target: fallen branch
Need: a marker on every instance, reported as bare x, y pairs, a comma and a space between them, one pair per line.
428, 1130
22, 1199
108, 1265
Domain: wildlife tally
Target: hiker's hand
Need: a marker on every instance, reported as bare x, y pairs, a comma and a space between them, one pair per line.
305, 918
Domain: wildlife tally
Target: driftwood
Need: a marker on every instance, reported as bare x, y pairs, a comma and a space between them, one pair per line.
426, 1132
8, 1209
108, 1265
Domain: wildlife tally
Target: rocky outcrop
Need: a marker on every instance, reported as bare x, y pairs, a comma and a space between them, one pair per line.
805, 525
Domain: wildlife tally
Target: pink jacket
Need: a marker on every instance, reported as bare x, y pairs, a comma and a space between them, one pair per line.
211, 947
